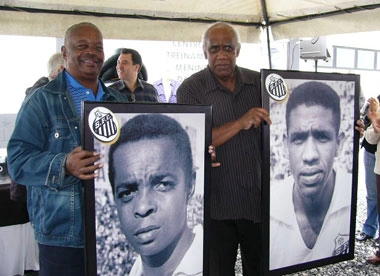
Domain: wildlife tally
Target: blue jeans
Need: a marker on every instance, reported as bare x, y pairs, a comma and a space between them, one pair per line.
371, 223
61, 261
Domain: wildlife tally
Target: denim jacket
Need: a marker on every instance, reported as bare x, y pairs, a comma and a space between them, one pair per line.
47, 128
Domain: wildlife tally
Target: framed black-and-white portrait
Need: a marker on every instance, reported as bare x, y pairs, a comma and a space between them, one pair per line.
147, 210
310, 178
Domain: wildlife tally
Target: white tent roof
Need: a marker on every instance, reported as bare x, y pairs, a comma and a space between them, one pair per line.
185, 20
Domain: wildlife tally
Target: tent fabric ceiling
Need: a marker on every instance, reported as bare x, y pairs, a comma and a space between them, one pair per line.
185, 20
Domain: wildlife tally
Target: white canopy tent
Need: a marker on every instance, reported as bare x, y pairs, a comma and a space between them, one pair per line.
184, 20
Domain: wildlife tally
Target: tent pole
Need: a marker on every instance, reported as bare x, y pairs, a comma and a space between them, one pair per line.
268, 45
266, 25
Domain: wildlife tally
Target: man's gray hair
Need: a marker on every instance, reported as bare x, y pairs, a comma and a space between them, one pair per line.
221, 25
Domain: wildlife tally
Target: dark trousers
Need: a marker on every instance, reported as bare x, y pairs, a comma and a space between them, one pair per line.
224, 239
61, 261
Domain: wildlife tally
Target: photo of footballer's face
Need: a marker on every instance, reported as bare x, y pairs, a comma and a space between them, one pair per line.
151, 194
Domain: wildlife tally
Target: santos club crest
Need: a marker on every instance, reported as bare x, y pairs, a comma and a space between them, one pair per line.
276, 87
104, 125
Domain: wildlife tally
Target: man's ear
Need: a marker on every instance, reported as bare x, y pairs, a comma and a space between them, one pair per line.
340, 142
285, 145
64, 52
238, 50
139, 66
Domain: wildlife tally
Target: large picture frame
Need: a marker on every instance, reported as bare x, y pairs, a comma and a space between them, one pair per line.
138, 220
311, 168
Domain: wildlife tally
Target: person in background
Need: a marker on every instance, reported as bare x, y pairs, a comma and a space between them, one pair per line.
45, 152
372, 135
370, 225
55, 66
153, 180
235, 189
166, 88
129, 64
108, 74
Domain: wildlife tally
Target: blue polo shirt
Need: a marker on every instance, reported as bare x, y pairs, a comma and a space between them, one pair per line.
81, 93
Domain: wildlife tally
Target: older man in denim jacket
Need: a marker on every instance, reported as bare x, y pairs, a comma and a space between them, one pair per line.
45, 153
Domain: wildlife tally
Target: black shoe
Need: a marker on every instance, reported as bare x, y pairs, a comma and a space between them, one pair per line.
363, 237
31, 273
